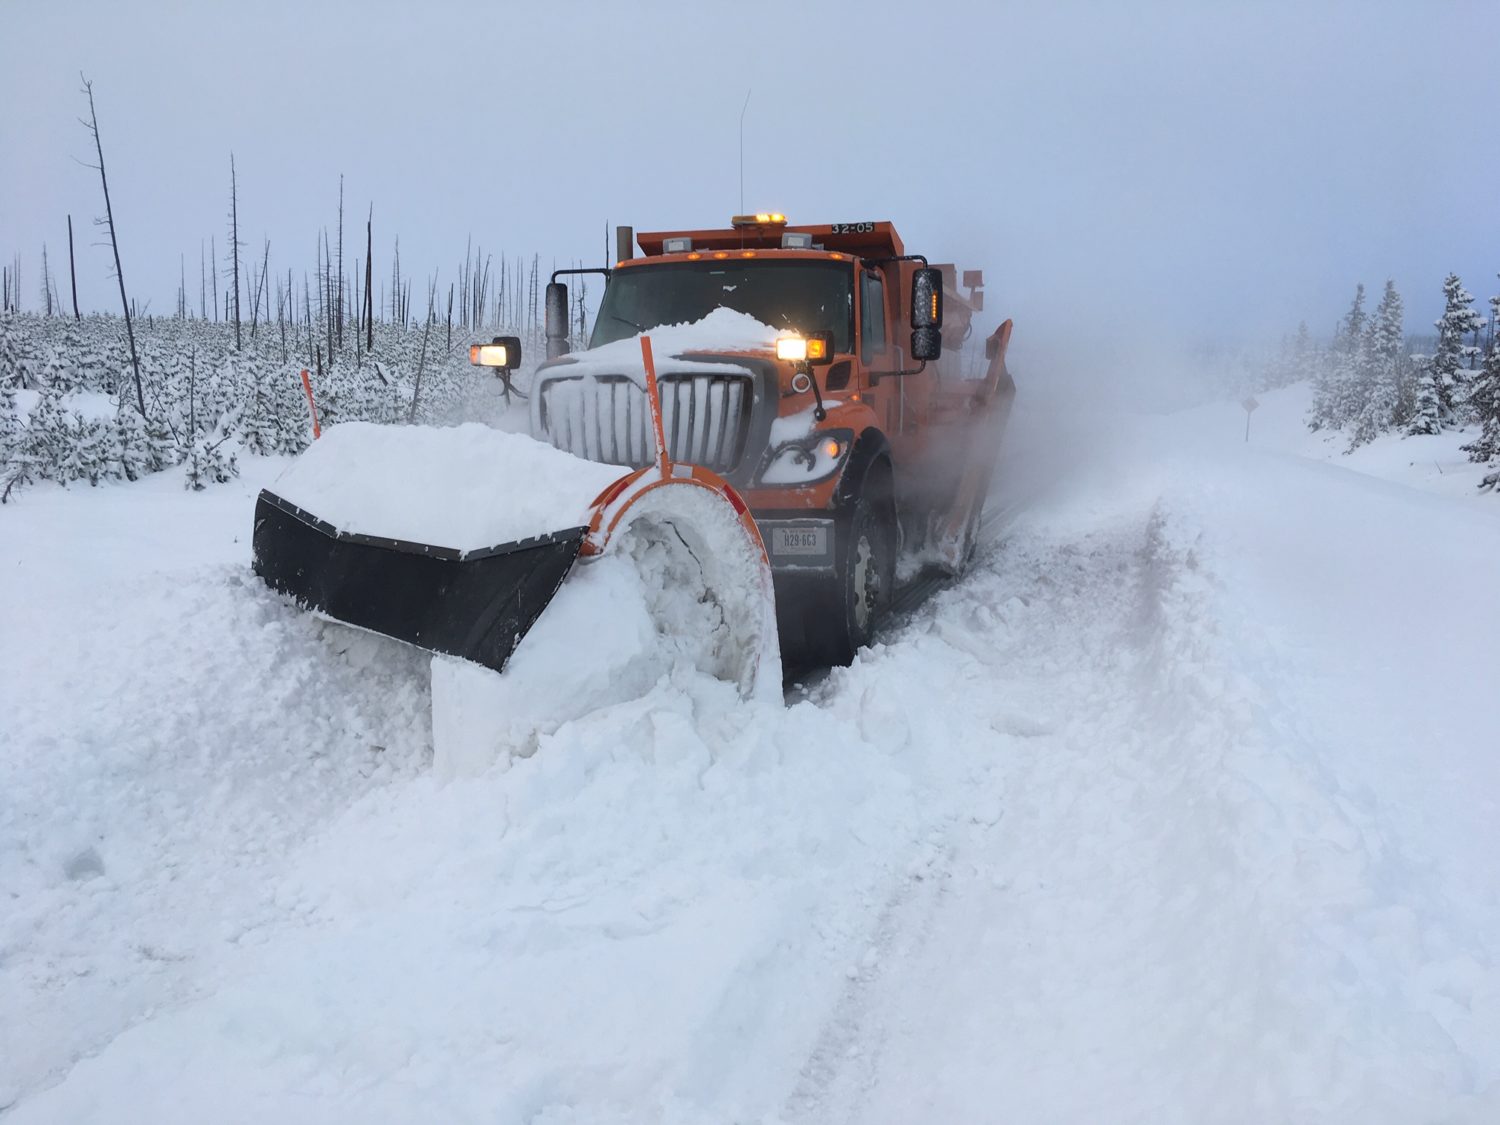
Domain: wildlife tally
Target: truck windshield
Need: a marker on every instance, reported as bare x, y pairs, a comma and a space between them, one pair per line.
801, 296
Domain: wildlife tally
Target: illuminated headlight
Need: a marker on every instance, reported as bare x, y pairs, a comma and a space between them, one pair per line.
503, 352
816, 349
489, 355
808, 459
792, 349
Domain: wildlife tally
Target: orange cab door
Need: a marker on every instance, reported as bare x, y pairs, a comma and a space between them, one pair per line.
874, 343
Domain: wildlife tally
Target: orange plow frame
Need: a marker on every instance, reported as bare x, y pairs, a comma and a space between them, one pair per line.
610, 506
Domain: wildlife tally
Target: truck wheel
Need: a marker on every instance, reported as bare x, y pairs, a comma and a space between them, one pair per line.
866, 579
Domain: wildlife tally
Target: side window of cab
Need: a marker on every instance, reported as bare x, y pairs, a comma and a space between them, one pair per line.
872, 314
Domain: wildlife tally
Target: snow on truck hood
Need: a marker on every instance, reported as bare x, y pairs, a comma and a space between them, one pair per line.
467, 487
723, 330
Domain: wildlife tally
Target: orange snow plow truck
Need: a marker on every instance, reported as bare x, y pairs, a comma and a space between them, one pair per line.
812, 375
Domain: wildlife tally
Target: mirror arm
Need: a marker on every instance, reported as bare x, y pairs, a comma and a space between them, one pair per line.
592, 269
876, 376
899, 258
819, 414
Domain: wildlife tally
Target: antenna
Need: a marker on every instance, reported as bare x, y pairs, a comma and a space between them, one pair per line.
742, 150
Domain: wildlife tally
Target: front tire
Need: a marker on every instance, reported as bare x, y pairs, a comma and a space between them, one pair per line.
866, 578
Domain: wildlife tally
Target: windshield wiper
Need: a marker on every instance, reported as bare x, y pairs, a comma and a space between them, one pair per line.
627, 320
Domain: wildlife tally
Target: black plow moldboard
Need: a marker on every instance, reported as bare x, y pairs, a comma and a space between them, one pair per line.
473, 604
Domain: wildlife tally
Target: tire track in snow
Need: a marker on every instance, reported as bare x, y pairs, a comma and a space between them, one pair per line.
1182, 914
1005, 614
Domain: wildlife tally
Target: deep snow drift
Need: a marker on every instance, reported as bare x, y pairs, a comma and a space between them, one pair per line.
1182, 807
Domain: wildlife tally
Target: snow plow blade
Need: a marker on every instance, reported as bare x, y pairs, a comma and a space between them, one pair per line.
474, 604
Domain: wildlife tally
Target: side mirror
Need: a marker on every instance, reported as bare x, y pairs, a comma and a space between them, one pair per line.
926, 314
557, 320
504, 353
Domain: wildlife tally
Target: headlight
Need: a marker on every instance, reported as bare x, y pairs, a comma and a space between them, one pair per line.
806, 460
791, 348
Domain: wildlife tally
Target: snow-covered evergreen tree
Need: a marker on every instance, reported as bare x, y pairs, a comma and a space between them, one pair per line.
10, 352
1442, 389
47, 438
212, 458
1484, 398
140, 446
1333, 396
1381, 370
1304, 354
15, 469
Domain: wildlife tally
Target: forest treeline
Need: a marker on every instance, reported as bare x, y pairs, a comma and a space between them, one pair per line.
1373, 377
115, 396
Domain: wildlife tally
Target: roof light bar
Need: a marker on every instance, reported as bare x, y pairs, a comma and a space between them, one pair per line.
759, 219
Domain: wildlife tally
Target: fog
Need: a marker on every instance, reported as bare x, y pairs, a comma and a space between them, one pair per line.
1149, 175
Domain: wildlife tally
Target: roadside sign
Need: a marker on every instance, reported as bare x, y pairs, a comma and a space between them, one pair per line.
1249, 404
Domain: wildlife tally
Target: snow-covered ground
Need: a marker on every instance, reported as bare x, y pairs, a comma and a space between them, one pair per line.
1182, 807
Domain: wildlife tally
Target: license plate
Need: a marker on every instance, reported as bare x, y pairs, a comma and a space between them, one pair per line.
799, 541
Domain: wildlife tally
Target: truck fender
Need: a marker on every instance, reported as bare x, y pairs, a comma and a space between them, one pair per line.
872, 448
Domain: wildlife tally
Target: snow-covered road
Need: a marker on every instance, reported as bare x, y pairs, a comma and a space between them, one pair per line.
1181, 808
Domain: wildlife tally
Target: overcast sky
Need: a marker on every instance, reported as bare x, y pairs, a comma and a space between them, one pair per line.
1210, 168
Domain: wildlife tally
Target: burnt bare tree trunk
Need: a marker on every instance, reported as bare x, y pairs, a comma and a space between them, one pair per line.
281, 303
260, 285
416, 394
463, 291
339, 303
72, 270
46, 285
328, 296
234, 244
369, 267
396, 284
114, 243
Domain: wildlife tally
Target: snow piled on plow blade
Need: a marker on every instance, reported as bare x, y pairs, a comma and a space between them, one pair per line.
462, 487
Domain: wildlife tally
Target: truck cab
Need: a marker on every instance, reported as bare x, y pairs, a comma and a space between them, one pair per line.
805, 365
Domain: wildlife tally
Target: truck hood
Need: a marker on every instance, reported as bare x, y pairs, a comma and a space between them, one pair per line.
722, 334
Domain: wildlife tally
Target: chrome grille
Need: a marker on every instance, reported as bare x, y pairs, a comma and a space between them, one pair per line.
705, 416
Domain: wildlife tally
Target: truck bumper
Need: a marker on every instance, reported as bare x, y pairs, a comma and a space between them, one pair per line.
805, 549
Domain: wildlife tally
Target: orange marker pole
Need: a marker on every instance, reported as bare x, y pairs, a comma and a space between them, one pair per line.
307, 386
653, 396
